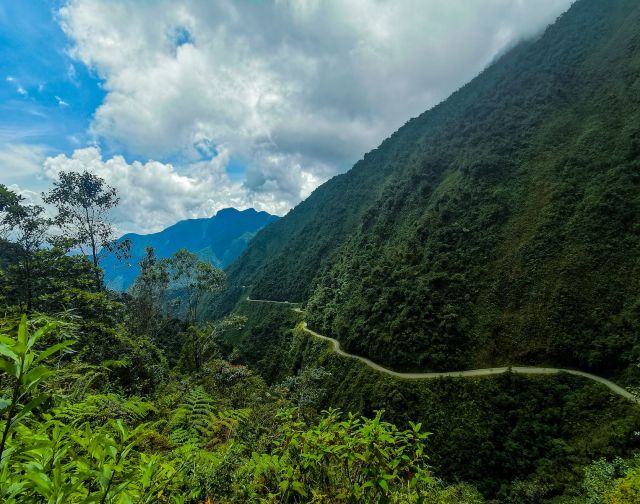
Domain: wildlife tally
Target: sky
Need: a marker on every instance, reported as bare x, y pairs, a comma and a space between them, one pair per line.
190, 106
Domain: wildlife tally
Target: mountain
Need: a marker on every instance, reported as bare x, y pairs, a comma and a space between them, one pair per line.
218, 239
500, 227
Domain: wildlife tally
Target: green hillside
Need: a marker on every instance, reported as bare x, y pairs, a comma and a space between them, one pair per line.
502, 226
518, 439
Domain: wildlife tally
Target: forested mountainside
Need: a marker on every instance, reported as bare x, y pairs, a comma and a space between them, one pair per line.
500, 227
109, 397
218, 240
518, 439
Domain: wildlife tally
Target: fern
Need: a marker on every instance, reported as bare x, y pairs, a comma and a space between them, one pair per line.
99, 409
223, 425
191, 417
196, 422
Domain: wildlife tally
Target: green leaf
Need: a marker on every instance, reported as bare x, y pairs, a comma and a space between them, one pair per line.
298, 487
8, 367
52, 350
33, 339
9, 352
23, 332
42, 482
35, 376
34, 403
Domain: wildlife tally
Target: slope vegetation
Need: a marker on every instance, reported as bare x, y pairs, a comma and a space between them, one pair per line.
500, 227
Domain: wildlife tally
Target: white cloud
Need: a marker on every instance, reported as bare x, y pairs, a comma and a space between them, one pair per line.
297, 89
20, 161
61, 102
155, 195
19, 88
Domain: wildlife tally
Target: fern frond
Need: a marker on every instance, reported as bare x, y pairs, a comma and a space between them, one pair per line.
100, 408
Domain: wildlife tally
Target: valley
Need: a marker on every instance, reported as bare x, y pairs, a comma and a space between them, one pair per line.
452, 319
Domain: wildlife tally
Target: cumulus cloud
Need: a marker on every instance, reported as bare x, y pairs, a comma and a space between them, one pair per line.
154, 195
19, 161
296, 89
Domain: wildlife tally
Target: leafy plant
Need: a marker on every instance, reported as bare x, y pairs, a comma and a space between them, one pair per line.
366, 460
23, 365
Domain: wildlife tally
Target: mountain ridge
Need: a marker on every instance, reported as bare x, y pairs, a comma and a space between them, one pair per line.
500, 225
218, 239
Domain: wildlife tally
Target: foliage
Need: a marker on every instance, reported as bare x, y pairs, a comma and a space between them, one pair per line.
515, 438
28, 226
83, 201
100, 449
499, 227
305, 389
9, 200
60, 463
191, 418
149, 296
201, 343
365, 460
193, 278
22, 364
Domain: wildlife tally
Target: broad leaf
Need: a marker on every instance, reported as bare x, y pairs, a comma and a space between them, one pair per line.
52, 350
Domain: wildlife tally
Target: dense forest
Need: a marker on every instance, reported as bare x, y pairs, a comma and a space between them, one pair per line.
500, 227
131, 398
108, 397
516, 439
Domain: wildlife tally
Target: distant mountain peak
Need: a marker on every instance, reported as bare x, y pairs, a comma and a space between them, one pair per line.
218, 239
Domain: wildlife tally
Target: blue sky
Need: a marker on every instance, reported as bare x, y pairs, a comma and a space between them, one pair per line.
190, 106
46, 97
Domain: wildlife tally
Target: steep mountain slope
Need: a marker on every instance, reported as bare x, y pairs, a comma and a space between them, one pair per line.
219, 239
500, 227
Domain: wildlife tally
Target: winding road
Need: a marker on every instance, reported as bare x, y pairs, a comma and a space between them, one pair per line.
471, 373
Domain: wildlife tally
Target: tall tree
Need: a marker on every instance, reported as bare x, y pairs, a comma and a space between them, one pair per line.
83, 201
26, 225
148, 296
193, 279
8, 201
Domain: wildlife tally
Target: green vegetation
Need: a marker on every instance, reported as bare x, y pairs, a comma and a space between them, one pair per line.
508, 435
83, 201
500, 227
111, 398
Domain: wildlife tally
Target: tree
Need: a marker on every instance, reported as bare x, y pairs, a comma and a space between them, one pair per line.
192, 279
83, 201
305, 389
148, 295
8, 200
202, 343
27, 226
